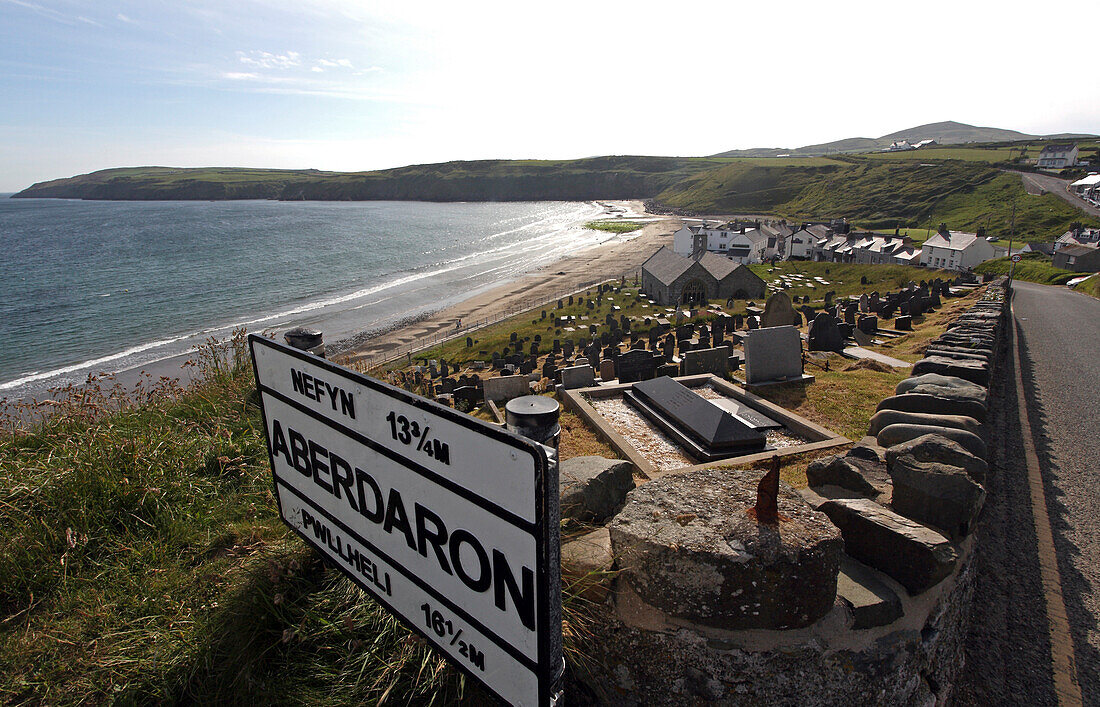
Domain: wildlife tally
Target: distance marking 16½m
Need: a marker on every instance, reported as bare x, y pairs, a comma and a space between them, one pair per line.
406, 431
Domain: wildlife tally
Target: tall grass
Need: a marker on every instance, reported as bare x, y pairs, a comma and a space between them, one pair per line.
142, 560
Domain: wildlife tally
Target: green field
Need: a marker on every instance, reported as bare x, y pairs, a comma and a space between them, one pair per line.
614, 226
1033, 267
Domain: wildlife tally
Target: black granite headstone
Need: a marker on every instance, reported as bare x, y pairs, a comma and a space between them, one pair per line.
705, 429
635, 365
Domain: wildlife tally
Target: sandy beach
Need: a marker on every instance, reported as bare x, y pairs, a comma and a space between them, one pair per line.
618, 256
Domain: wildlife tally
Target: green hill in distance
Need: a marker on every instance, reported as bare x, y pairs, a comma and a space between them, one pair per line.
946, 133
962, 185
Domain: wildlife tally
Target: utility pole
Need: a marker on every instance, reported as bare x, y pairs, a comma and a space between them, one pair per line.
1011, 237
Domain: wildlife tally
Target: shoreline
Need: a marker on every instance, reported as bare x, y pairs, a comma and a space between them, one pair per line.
615, 256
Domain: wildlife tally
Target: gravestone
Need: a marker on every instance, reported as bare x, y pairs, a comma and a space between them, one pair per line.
705, 429
469, 342
773, 354
850, 312
778, 311
578, 377
667, 369
868, 324
607, 370
636, 365
467, 397
824, 334
505, 388
904, 323
715, 361
864, 302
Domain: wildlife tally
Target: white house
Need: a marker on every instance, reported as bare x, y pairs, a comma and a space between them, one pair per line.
1080, 236
748, 247
799, 244
1088, 188
1058, 156
956, 251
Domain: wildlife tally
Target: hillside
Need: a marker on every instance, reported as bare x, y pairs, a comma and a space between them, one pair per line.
488, 180
945, 133
875, 193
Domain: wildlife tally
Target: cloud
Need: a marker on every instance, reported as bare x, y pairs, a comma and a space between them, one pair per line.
267, 60
240, 76
52, 14
123, 18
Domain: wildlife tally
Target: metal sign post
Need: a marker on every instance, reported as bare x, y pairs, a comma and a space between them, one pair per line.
447, 521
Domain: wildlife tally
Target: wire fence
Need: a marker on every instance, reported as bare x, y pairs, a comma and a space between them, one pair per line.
439, 338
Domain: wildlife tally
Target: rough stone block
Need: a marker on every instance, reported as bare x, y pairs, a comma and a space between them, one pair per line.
593, 488
871, 602
860, 475
974, 371
895, 434
936, 494
884, 418
687, 546
934, 405
934, 448
586, 564
916, 556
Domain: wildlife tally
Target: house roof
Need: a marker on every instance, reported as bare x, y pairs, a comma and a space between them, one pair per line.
1057, 148
1078, 249
666, 265
1045, 248
820, 230
1087, 181
952, 241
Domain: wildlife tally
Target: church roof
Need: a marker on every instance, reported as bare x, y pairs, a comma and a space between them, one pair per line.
666, 265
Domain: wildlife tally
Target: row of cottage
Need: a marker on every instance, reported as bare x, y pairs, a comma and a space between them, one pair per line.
758, 242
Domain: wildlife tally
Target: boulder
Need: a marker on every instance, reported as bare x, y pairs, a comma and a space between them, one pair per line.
894, 434
947, 386
957, 352
936, 494
935, 405
883, 418
869, 600
687, 545
868, 448
586, 564
863, 476
974, 371
917, 557
938, 449
593, 488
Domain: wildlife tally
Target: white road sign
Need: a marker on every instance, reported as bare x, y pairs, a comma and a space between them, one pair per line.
451, 523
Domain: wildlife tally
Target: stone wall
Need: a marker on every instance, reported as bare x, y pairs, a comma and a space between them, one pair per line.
905, 500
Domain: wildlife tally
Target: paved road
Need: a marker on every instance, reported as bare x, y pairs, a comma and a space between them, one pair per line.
1009, 650
1037, 183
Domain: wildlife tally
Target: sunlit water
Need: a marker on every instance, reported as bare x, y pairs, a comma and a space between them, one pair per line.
88, 286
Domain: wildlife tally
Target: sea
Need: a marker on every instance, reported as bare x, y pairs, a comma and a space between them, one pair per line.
106, 286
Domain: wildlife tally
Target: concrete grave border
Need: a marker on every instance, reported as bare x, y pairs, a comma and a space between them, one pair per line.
821, 437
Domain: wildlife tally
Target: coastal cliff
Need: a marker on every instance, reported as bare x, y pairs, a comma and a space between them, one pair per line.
489, 180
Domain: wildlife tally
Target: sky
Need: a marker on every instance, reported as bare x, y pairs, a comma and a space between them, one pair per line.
341, 85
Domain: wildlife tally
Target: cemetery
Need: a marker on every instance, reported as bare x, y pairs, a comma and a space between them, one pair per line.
784, 512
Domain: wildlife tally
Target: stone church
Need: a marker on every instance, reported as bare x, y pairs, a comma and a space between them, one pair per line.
672, 279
